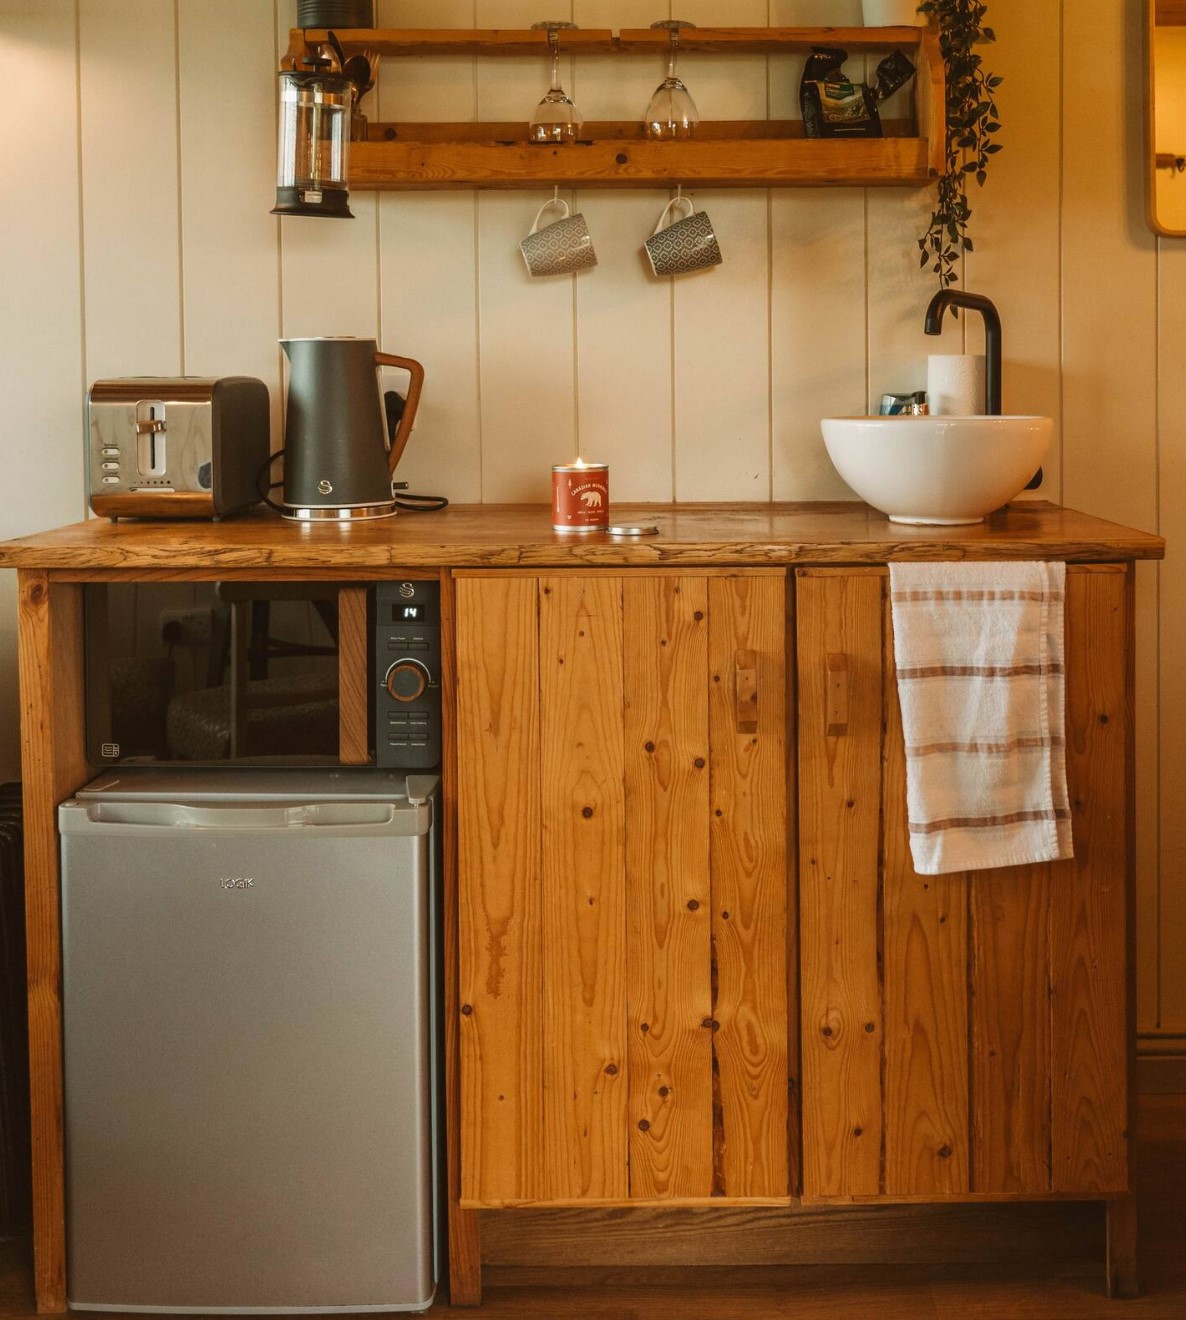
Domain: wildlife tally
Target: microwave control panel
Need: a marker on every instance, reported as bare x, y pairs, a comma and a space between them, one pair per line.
407, 671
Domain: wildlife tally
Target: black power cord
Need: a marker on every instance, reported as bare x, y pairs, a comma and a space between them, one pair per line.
263, 485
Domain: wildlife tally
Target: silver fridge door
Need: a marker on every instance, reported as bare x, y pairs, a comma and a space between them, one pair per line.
246, 1015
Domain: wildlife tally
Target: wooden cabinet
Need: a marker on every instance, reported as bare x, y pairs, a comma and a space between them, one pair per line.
632, 987
962, 1035
628, 1020
623, 915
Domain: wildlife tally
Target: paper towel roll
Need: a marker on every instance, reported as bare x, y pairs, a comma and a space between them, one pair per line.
955, 384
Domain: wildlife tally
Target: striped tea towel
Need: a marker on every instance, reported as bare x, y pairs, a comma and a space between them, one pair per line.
979, 654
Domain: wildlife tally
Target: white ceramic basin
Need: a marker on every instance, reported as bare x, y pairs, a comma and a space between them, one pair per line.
945, 470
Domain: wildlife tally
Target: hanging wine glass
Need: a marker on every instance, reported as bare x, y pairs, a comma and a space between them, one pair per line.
671, 112
556, 119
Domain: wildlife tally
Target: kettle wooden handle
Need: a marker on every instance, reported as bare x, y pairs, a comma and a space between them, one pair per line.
399, 440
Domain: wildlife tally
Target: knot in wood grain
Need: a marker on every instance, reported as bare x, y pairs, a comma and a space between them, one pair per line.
649, 746
586, 812
693, 905
644, 1125
611, 1069
711, 1023
466, 1009
699, 763
37, 593
621, 158
832, 1028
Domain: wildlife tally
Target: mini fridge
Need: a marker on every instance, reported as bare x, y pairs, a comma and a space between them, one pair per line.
249, 977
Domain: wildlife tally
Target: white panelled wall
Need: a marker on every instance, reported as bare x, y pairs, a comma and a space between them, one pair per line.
135, 239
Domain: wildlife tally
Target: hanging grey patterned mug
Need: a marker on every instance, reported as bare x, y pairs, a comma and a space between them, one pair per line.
687, 245
561, 247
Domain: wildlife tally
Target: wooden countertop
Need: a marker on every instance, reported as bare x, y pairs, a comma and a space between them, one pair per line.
494, 536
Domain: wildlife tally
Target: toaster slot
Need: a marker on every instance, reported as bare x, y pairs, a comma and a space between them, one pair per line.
150, 438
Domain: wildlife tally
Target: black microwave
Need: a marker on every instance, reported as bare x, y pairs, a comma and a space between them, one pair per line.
250, 673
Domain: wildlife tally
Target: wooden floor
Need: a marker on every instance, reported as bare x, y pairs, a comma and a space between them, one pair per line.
1064, 1290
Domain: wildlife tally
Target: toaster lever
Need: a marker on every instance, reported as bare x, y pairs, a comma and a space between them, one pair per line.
150, 437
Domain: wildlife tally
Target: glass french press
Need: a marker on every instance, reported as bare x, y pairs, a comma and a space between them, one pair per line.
312, 159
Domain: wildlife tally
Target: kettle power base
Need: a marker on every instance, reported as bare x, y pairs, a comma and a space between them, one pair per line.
344, 513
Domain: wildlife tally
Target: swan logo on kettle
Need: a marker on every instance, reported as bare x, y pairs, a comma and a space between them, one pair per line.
339, 464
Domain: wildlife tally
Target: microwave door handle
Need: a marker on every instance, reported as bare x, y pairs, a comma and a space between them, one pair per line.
239, 677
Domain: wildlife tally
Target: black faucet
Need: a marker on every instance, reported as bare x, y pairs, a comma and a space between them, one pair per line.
974, 302
977, 302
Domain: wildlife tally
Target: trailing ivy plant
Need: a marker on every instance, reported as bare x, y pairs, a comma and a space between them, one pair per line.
972, 121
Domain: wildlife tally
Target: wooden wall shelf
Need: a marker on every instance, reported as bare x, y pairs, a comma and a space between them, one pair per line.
725, 162
578, 41
723, 154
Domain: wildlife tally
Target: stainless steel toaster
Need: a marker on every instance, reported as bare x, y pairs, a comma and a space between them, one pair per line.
176, 447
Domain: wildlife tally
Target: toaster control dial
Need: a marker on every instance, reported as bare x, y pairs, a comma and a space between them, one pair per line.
407, 680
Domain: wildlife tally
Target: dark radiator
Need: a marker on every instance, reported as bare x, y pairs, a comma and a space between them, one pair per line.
15, 1188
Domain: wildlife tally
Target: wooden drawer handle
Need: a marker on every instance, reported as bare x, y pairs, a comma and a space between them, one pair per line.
836, 714
745, 690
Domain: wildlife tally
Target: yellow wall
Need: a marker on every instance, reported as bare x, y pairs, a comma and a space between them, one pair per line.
135, 238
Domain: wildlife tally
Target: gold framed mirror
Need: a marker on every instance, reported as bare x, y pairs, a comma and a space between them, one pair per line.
1165, 112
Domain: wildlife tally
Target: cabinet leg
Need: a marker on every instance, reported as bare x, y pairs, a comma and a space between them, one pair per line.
49, 625
465, 1258
1123, 1280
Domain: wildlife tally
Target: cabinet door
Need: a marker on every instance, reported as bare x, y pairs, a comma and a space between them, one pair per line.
623, 891
965, 1034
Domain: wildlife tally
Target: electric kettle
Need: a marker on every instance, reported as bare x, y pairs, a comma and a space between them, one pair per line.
338, 462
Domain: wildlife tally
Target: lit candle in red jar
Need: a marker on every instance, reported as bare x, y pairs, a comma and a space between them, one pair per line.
580, 497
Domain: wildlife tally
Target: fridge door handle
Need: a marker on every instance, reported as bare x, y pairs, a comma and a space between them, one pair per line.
250, 816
